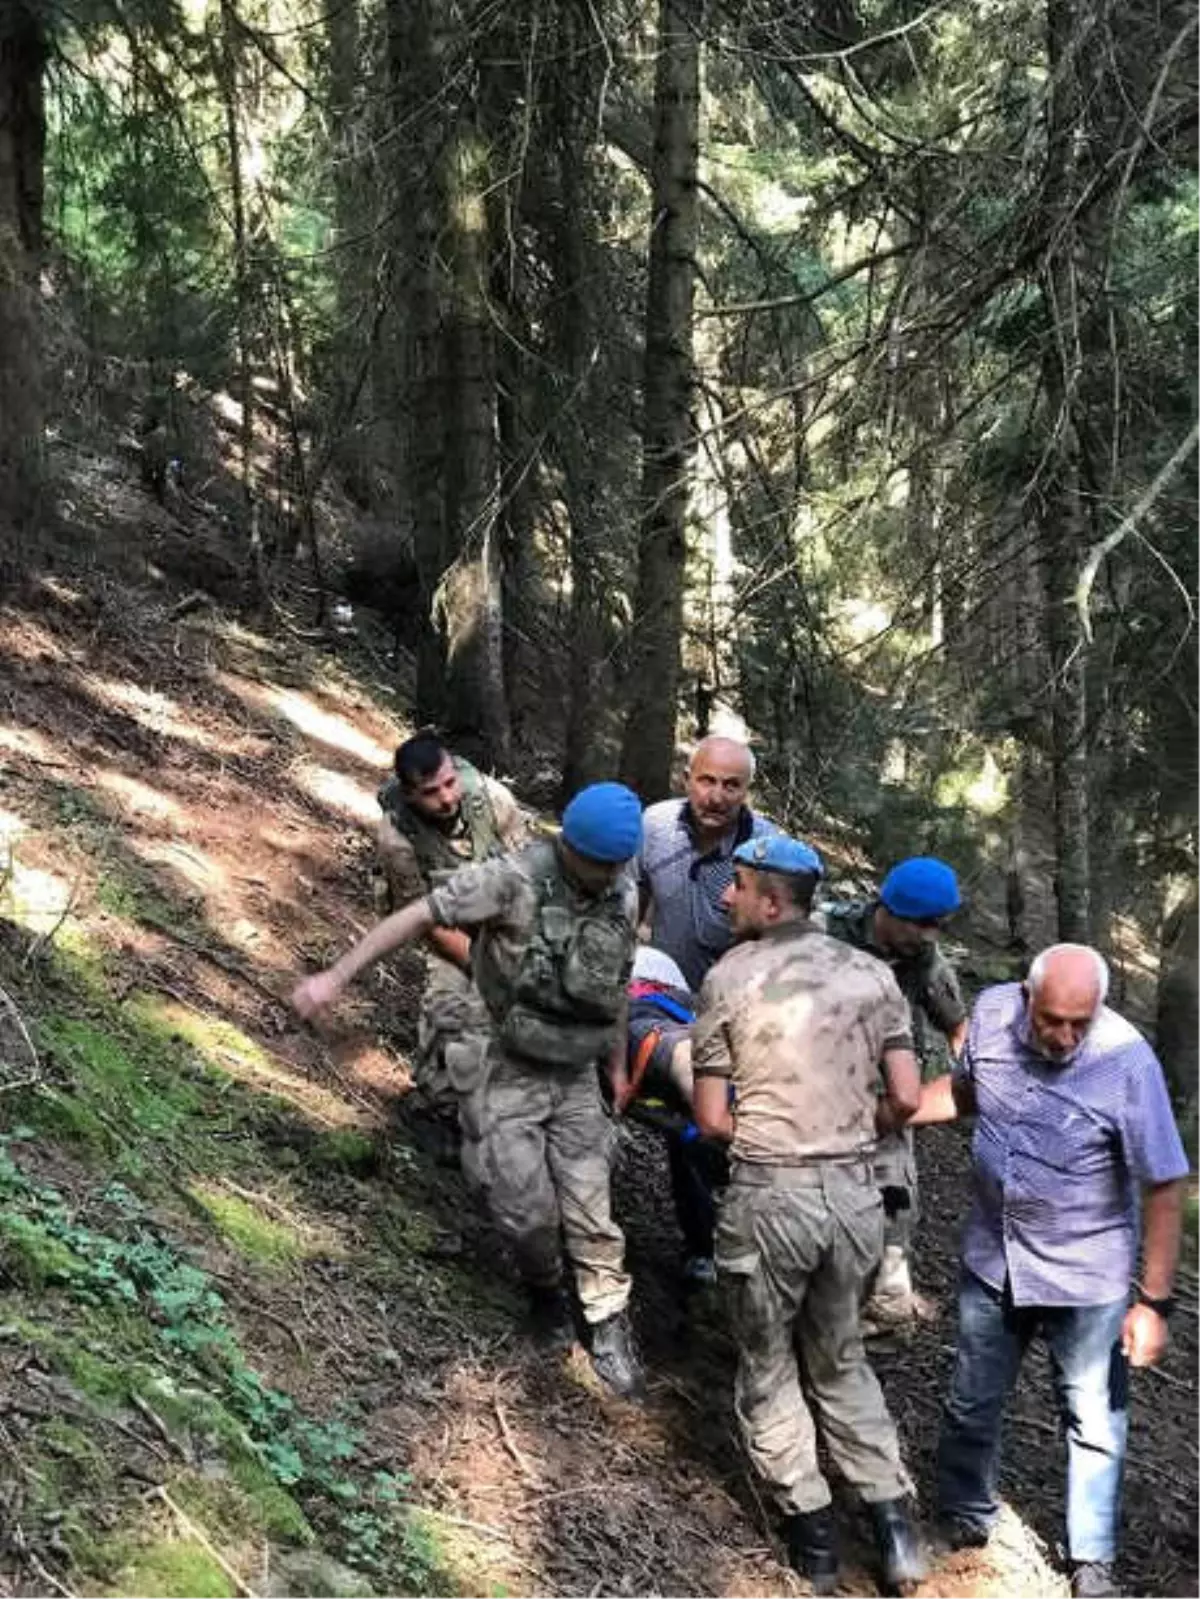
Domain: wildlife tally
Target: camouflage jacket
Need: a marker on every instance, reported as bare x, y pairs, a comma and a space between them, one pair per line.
478, 836
800, 1024
551, 962
927, 981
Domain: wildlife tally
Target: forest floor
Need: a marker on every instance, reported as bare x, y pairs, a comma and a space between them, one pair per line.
253, 1338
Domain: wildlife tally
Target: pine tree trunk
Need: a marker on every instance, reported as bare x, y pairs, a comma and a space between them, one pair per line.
22, 148
409, 382
471, 596
1062, 526
668, 428
574, 252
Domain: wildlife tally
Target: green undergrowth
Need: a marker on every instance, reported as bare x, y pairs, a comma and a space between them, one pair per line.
132, 1326
139, 1136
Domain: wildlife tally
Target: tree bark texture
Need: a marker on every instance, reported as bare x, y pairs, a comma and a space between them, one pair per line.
470, 598
576, 257
22, 150
668, 428
1062, 529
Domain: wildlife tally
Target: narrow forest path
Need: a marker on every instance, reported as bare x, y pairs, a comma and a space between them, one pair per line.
247, 1326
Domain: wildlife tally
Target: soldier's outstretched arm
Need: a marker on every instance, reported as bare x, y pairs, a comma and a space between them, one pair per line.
902, 1088
402, 927
944, 1099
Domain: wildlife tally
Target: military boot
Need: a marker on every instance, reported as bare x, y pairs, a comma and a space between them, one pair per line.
898, 1543
812, 1548
615, 1357
551, 1322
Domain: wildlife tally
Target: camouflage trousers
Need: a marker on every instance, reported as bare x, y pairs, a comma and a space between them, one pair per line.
546, 1158
453, 1034
889, 1289
794, 1247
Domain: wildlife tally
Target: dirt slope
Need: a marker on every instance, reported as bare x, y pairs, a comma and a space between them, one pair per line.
246, 1324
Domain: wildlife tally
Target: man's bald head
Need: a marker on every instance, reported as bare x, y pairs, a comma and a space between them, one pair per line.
1064, 991
718, 780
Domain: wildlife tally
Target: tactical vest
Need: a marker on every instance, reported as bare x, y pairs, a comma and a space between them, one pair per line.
436, 858
565, 1000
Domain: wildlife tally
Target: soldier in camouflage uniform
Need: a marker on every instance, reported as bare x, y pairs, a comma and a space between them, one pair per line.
555, 931
440, 814
901, 928
799, 1026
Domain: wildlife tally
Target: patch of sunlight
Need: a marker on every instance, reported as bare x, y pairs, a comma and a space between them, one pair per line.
231, 1051
58, 590
35, 899
174, 1569
309, 719
12, 827
1130, 940
261, 1228
441, 1554
161, 714
332, 730
138, 797
337, 791
980, 787
863, 619
192, 864
29, 641
227, 408
24, 741
988, 794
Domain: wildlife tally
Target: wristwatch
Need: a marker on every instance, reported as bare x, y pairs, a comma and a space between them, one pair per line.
1163, 1307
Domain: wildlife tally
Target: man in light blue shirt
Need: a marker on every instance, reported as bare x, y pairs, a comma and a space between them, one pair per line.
1074, 1127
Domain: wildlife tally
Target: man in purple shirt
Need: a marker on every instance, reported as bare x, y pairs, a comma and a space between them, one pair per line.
1073, 1120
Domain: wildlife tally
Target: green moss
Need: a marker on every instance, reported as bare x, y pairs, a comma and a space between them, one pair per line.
70, 1466
248, 1500
174, 1570
344, 1149
258, 1237
214, 1040
127, 1079
30, 1255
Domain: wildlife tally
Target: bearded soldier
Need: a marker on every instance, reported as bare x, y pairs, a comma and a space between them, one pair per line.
440, 814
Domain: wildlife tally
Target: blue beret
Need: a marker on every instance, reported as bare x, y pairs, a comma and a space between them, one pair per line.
922, 889
604, 823
776, 852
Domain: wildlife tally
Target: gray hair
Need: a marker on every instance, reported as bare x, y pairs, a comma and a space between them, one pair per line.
1037, 972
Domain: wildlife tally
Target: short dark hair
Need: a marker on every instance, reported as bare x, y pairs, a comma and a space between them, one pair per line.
419, 757
796, 888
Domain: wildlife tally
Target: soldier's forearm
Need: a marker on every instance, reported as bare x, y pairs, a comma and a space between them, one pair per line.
710, 1107
402, 927
942, 1100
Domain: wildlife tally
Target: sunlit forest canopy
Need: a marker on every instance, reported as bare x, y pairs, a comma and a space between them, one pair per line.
826, 371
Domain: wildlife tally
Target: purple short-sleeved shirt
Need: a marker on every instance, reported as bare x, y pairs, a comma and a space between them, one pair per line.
1060, 1154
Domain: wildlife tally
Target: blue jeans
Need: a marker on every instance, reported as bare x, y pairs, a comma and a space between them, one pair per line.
1090, 1384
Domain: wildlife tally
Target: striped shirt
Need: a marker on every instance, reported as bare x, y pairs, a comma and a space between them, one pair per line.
688, 920
1060, 1154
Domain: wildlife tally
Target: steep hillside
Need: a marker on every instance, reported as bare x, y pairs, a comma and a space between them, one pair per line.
252, 1338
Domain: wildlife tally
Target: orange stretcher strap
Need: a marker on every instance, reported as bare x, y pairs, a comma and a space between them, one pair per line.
641, 1060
